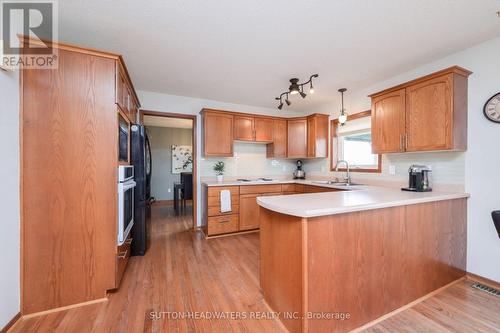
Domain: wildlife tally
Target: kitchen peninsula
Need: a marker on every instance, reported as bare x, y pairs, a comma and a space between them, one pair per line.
357, 255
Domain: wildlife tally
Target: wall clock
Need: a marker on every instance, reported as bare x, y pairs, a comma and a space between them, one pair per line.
492, 108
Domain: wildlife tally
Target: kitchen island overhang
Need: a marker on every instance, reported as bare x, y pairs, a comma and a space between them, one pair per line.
355, 263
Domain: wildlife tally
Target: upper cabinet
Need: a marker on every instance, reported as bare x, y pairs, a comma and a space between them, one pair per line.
278, 147
297, 138
217, 133
125, 96
388, 122
426, 114
244, 129
294, 138
317, 135
264, 129
248, 128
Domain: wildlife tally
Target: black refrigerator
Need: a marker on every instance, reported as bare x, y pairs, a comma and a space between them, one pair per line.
140, 155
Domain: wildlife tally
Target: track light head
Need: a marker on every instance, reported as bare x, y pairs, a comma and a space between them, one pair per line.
288, 102
302, 93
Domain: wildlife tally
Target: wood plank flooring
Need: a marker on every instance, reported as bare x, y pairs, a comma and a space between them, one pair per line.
181, 272
184, 272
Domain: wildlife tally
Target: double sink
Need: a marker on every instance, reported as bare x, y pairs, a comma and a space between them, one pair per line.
335, 183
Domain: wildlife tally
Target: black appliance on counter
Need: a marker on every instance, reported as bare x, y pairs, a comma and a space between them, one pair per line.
418, 179
299, 173
140, 156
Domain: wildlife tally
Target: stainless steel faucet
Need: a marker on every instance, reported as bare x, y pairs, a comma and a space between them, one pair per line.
348, 173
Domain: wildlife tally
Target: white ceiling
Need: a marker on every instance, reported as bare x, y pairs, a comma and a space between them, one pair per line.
244, 51
167, 122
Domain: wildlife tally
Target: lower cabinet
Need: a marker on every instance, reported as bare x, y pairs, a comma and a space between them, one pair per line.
244, 214
122, 256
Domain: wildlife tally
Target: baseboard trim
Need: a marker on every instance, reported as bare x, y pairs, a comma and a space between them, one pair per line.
405, 307
483, 280
63, 308
232, 234
11, 323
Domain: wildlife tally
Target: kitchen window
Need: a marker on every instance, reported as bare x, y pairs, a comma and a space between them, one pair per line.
353, 143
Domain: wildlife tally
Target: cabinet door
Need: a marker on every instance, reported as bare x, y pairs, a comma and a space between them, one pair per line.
217, 134
297, 138
278, 147
429, 120
264, 129
244, 128
249, 212
317, 136
388, 122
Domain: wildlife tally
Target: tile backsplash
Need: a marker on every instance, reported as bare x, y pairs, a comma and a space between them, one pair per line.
448, 168
249, 161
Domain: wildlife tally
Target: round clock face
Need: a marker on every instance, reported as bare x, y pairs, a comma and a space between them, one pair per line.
492, 108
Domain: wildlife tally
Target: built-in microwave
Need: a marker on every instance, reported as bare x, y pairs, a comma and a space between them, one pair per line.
123, 138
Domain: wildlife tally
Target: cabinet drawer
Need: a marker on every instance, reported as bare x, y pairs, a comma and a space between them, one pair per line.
215, 201
215, 191
260, 189
288, 188
122, 256
215, 210
300, 188
222, 224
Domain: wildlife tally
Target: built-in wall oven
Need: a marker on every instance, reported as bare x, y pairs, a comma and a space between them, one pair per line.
126, 185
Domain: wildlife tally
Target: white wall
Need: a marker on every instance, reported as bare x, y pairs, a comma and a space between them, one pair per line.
161, 140
477, 168
186, 105
9, 197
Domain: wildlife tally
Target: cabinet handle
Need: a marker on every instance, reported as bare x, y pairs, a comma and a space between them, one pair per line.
406, 141
122, 255
401, 143
225, 221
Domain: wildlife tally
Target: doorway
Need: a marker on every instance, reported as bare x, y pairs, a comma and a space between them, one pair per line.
173, 143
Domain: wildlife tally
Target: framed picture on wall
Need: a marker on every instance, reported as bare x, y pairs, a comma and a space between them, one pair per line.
182, 159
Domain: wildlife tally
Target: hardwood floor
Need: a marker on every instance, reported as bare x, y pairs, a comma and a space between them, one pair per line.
181, 272
184, 272
459, 308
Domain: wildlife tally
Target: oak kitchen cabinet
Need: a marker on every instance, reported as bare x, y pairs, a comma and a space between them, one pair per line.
248, 128
426, 114
278, 147
217, 133
317, 135
244, 215
304, 137
297, 138
69, 189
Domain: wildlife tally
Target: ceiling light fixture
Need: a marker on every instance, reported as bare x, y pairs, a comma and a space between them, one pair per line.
296, 88
343, 114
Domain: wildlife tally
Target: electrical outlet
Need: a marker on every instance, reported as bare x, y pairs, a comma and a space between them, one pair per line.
392, 170
169, 190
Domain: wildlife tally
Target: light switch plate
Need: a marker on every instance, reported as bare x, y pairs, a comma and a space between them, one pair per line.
392, 169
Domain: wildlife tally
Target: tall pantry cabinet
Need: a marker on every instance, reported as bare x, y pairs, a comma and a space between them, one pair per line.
69, 153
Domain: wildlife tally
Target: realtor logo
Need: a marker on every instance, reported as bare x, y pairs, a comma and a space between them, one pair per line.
36, 23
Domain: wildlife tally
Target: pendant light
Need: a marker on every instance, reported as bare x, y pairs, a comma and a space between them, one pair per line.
343, 114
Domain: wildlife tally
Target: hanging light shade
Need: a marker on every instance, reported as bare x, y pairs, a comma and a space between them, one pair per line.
294, 86
343, 114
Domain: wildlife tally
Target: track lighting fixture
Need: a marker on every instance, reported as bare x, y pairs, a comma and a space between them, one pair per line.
296, 88
343, 114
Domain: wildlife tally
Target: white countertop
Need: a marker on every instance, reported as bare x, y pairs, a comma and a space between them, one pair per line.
277, 181
358, 199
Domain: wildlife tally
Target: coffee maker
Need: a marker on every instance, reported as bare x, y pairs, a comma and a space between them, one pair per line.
299, 173
418, 179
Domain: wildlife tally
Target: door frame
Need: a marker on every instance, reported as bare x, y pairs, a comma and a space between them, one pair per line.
143, 113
